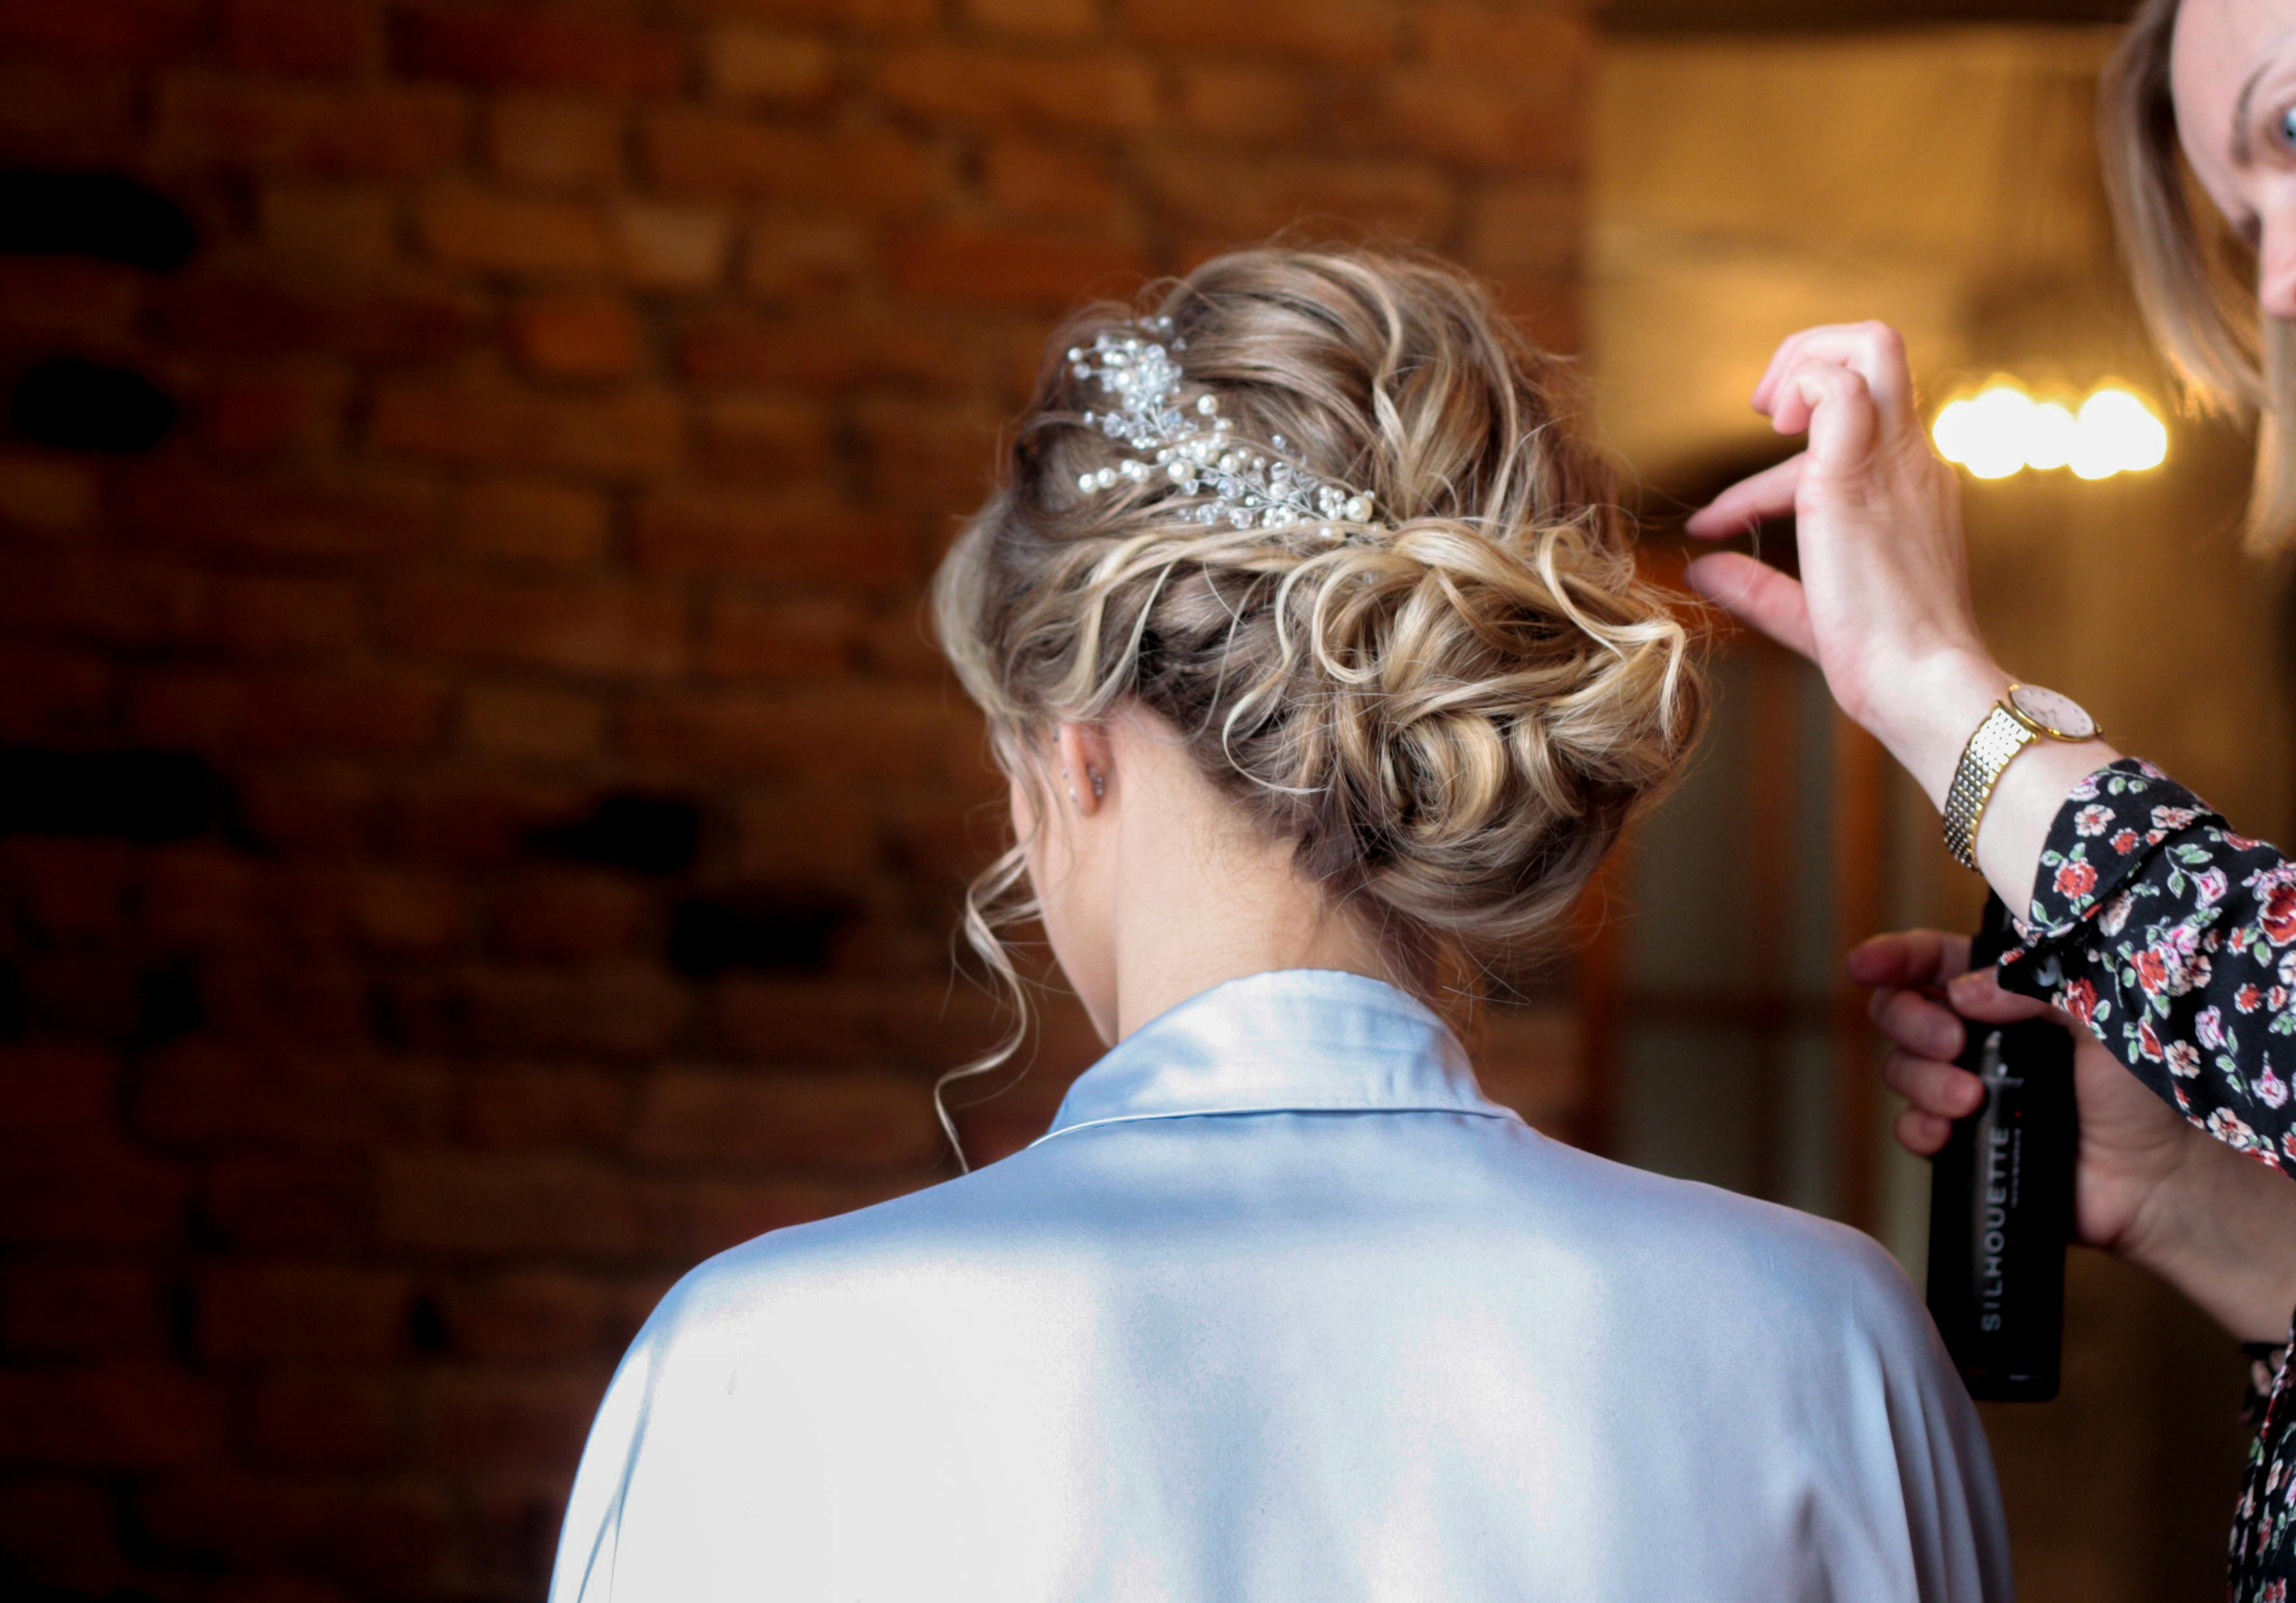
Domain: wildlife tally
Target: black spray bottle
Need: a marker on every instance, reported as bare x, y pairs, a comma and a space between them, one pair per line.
2001, 1202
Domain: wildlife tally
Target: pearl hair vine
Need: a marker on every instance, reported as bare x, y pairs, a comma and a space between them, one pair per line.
1194, 448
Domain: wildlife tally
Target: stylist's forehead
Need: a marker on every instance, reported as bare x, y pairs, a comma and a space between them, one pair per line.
2232, 73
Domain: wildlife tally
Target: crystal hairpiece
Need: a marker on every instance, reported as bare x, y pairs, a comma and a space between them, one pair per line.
1192, 446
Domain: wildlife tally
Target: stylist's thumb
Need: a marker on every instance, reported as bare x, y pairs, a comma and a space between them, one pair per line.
1833, 402
1978, 995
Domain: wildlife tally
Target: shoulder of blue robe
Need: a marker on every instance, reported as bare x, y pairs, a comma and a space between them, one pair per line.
1079, 1372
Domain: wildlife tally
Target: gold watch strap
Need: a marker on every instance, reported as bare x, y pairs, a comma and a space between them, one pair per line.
1999, 738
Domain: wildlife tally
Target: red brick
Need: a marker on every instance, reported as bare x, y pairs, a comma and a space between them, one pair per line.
794, 253
123, 1418
539, 49
810, 830
627, 434
561, 1106
1006, 269
1248, 197
861, 16
812, 1024
294, 36
64, 1528
206, 1091
324, 1419
526, 1316
569, 914
745, 63
47, 694
1045, 18
1259, 103
719, 1213
68, 891
272, 413
1032, 179
276, 126
48, 494
532, 724
82, 1193
70, 113
512, 234
1504, 42
84, 1309
780, 639
54, 1087
386, 1537
1362, 32
1109, 90
94, 304
669, 247
1534, 226
935, 459
846, 1120
586, 629
259, 1311
317, 1203
491, 1204
249, 616
787, 736
243, 318
284, 712
77, 593
629, 1009
576, 334
750, 437
385, 908
309, 806
529, 522
555, 140
823, 351
864, 171
1502, 123
297, 517
763, 536
131, 30
301, 997
352, 227
530, 1420
472, 818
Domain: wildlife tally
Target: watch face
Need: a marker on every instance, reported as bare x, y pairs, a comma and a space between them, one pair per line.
2062, 716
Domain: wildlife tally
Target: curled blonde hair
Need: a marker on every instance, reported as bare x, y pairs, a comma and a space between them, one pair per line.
2195, 279
1450, 713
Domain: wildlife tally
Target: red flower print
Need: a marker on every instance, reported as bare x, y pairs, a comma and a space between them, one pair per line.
2278, 914
2079, 999
2152, 970
2148, 1043
2125, 842
2076, 880
2246, 998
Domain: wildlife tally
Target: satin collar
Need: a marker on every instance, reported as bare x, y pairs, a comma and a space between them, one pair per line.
1294, 1040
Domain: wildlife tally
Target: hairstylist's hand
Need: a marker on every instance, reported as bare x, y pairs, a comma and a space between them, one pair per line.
1883, 605
2148, 1186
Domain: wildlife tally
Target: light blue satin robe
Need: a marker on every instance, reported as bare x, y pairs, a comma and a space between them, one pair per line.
1283, 1309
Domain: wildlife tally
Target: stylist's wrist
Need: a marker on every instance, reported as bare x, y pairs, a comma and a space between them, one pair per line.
1924, 710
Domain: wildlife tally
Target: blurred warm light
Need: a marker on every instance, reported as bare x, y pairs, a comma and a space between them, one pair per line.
2002, 429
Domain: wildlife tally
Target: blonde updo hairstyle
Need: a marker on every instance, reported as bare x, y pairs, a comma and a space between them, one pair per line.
1451, 709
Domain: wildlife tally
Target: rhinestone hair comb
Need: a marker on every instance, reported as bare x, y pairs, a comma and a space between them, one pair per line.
1193, 447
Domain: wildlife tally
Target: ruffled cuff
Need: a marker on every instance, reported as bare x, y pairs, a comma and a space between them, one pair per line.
2111, 826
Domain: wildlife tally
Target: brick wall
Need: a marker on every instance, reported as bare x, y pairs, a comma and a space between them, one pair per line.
480, 819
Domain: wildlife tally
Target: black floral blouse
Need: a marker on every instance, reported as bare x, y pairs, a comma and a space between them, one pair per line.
2174, 939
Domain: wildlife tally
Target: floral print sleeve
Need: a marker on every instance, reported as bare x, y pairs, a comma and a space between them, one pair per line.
2174, 939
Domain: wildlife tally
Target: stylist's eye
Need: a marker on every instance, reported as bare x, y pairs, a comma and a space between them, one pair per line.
2283, 130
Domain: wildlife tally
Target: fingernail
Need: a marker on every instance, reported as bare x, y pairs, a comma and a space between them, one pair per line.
1966, 990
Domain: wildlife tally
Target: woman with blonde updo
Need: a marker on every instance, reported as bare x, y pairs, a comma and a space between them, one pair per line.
1312, 642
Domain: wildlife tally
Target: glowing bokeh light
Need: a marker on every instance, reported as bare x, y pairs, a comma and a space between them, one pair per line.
2002, 430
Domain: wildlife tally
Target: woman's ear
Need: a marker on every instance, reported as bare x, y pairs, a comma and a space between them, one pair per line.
1088, 764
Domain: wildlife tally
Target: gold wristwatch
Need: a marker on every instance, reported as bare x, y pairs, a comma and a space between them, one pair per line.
2025, 713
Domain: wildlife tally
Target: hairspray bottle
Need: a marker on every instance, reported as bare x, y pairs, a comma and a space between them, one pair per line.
2001, 1202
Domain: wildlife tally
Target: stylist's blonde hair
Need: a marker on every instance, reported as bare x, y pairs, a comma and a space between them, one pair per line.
1449, 710
2195, 279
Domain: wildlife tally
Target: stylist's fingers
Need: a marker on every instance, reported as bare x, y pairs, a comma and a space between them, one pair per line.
1979, 996
1768, 494
1922, 1134
1910, 957
1916, 1023
1758, 594
1873, 350
1933, 1087
1833, 404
